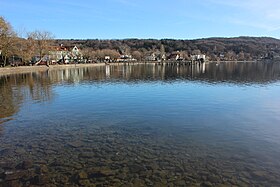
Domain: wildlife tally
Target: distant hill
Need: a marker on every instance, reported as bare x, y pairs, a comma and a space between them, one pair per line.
238, 47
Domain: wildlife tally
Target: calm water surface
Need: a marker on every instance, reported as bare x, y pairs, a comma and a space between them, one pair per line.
142, 125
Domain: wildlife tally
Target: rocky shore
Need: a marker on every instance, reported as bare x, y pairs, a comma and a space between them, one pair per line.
124, 156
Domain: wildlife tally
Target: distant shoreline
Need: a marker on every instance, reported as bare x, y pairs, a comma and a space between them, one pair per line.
28, 69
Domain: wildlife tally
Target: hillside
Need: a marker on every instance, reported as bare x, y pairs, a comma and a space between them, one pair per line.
248, 47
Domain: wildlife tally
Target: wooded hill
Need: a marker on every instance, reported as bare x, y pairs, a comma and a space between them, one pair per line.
214, 48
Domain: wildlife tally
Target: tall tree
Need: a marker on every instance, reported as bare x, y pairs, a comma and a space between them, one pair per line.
7, 40
88, 53
42, 41
162, 52
24, 49
137, 55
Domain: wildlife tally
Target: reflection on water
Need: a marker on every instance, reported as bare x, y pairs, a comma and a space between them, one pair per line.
38, 85
15, 88
223, 72
142, 125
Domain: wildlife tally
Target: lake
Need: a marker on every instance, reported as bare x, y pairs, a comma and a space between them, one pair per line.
215, 124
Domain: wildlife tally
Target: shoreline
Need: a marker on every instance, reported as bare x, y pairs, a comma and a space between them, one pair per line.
28, 69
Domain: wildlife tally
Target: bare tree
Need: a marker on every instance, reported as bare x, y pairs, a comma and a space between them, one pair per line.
125, 49
241, 56
185, 55
24, 49
230, 55
42, 41
162, 52
196, 52
87, 53
100, 54
112, 53
137, 55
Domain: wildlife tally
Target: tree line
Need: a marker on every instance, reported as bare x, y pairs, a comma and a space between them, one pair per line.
239, 48
36, 43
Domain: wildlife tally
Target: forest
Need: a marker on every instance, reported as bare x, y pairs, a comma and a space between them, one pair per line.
238, 48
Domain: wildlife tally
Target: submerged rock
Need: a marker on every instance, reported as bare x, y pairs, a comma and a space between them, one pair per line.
7, 165
136, 168
42, 169
138, 183
82, 175
259, 174
40, 180
86, 183
213, 179
75, 144
13, 183
25, 164
206, 184
13, 175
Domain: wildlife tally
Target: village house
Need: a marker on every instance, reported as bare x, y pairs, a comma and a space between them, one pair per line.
151, 57
198, 58
222, 56
155, 57
65, 54
163, 57
107, 59
175, 56
126, 58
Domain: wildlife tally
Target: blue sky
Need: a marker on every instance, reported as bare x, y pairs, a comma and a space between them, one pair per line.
117, 19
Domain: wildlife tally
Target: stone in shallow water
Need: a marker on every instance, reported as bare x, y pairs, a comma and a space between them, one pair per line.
206, 184
85, 182
102, 172
222, 185
6, 152
121, 176
13, 175
82, 175
13, 183
159, 184
213, 179
75, 144
180, 183
136, 168
86, 155
138, 183
25, 164
40, 180
42, 169
7, 165
259, 174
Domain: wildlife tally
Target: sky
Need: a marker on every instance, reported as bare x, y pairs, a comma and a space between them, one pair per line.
119, 19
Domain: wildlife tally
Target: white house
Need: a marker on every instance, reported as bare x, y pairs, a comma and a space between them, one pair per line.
125, 58
174, 56
151, 57
198, 57
65, 54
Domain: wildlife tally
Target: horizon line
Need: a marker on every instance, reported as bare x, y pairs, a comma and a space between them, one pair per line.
167, 38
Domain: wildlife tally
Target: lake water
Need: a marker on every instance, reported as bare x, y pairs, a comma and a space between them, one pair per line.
142, 125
